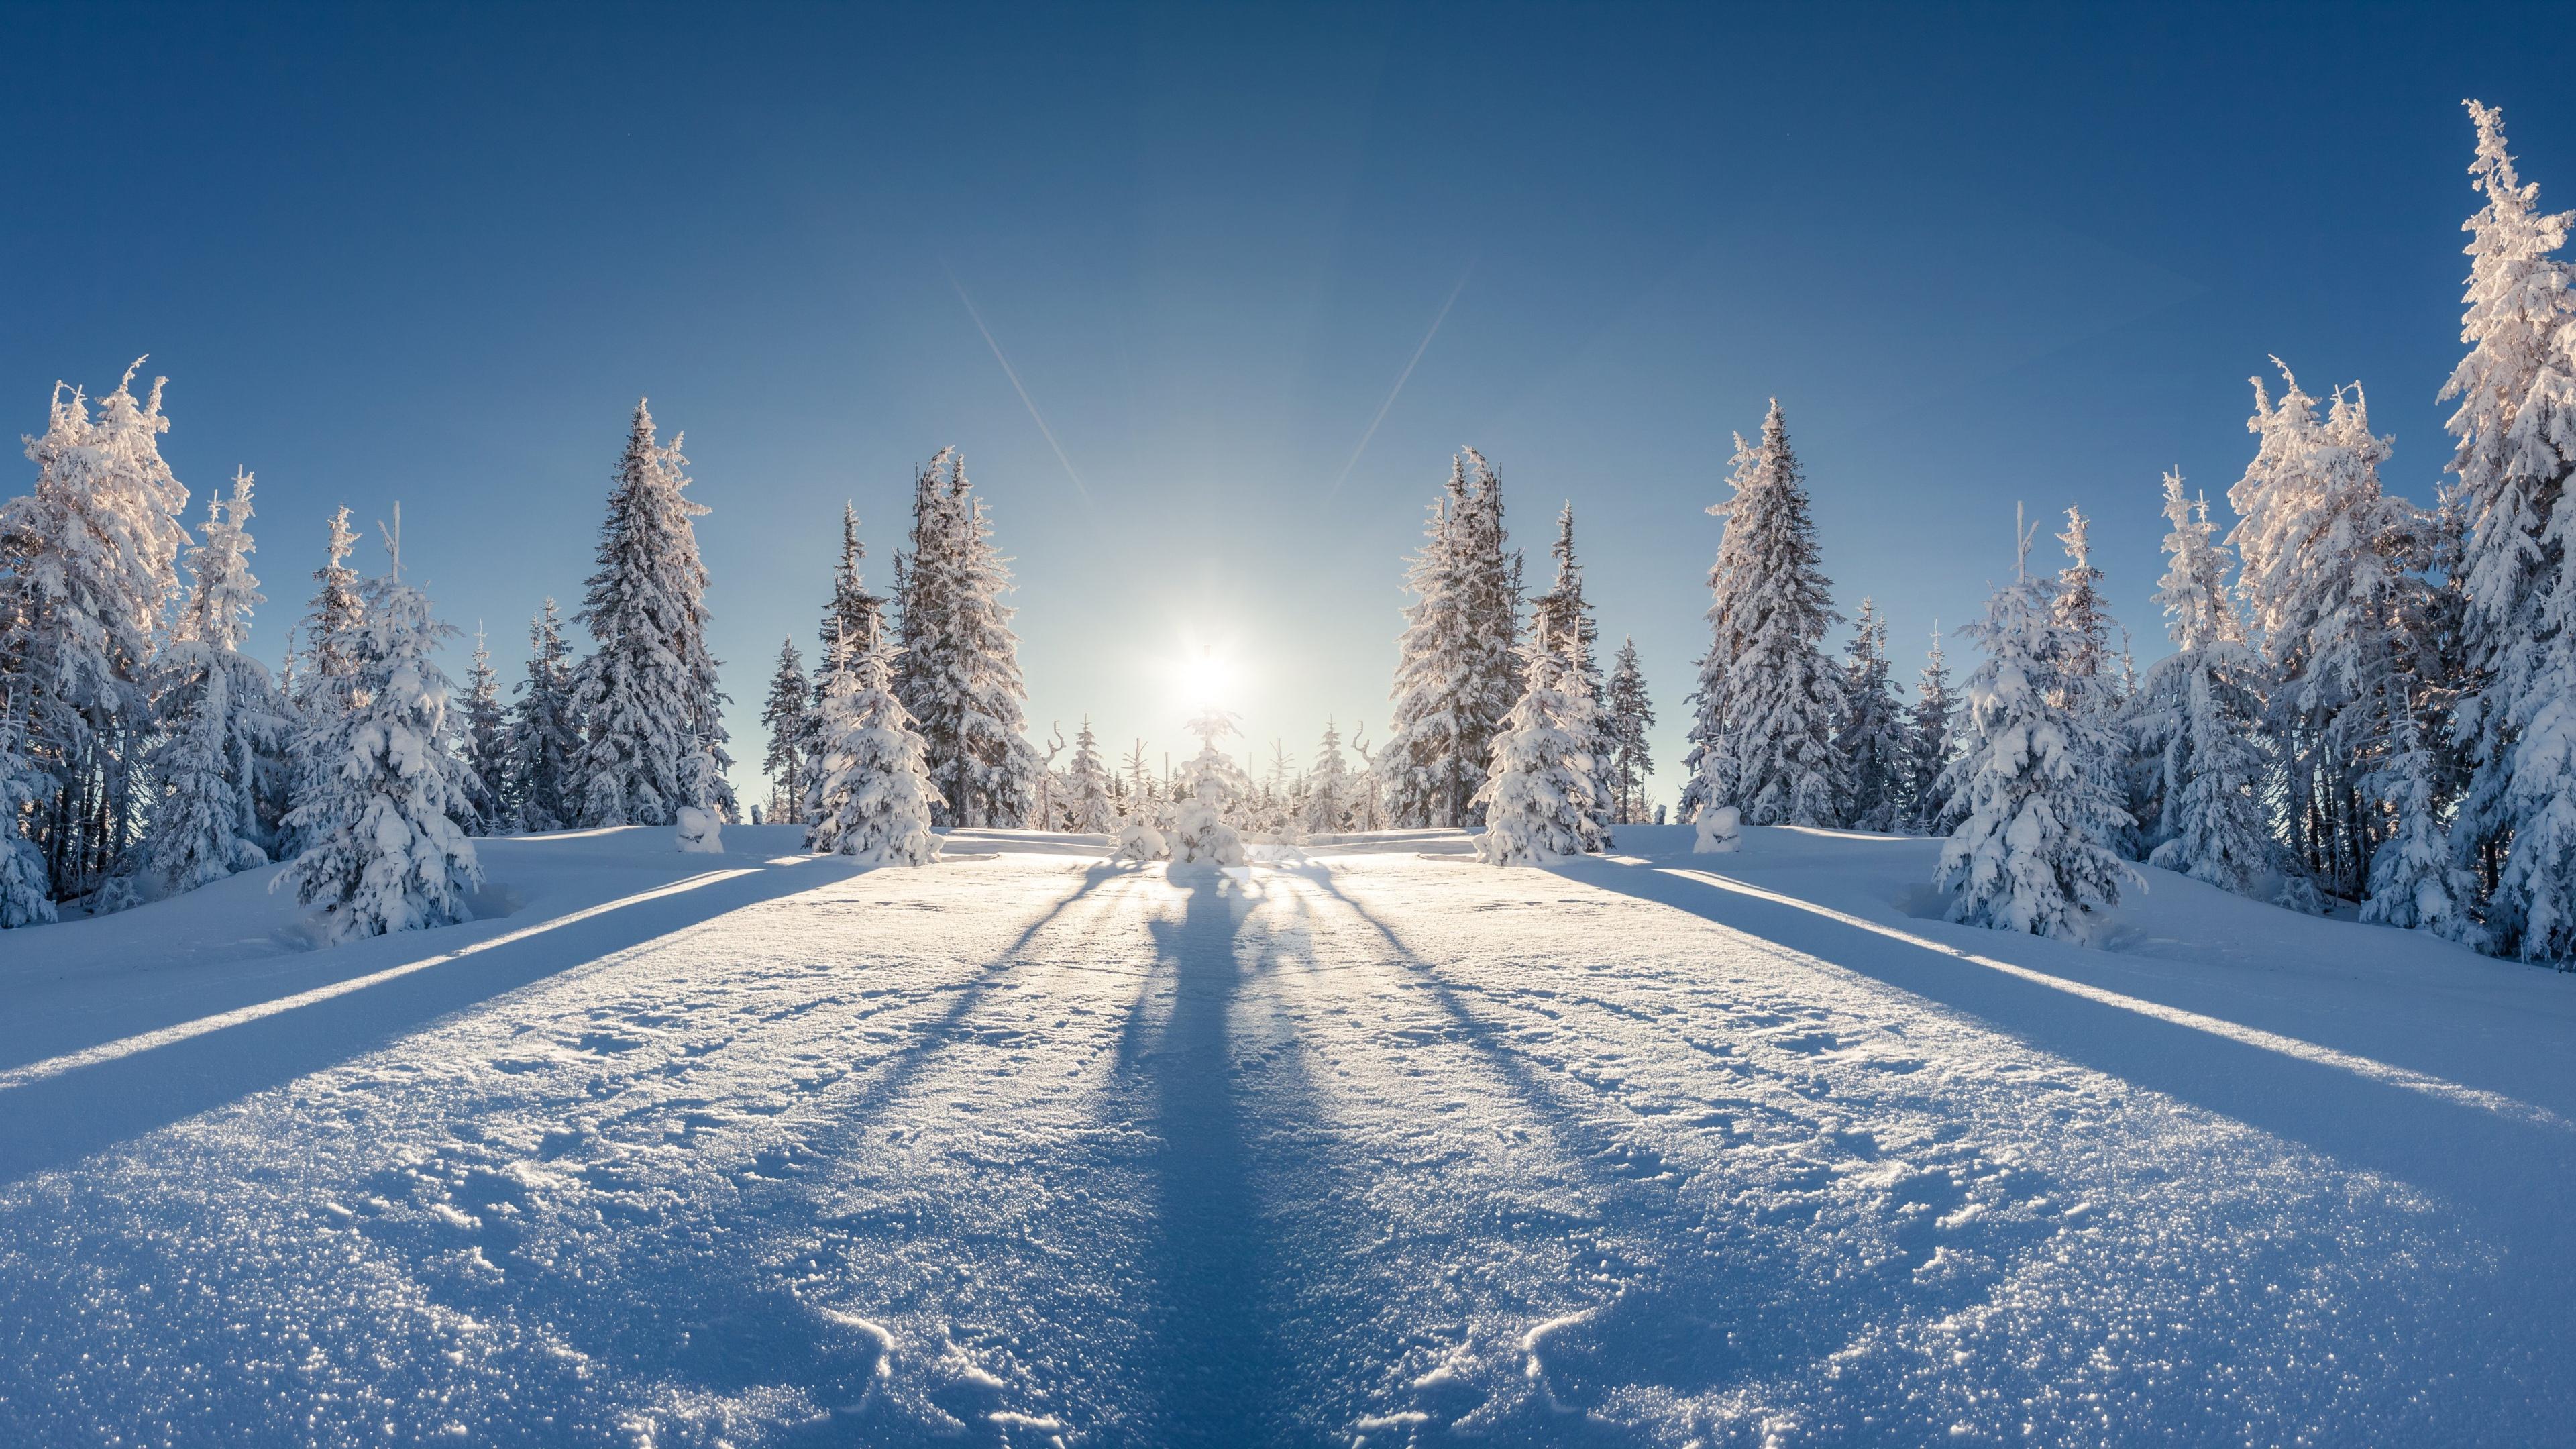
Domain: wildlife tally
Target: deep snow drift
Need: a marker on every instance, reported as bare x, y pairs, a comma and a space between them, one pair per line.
1367, 1144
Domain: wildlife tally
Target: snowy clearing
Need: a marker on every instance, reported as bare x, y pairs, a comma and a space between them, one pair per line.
1371, 1146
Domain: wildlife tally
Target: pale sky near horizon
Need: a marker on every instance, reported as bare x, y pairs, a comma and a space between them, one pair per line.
1982, 255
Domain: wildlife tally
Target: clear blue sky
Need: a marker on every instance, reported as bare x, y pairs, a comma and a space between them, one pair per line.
1981, 255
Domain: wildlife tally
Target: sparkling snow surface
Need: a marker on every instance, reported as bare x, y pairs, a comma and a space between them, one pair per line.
1376, 1148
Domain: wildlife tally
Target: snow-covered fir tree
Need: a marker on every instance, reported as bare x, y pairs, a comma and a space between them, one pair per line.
2090, 680
1088, 809
647, 695
88, 565
224, 728
1931, 738
2033, 848
792, 719
329, 628
1769, 700
960, 669
1234, 784
1328, 787
26, 897
2516, 432
384, 820
852, 613
487, 744
2325, 578
1454, 675
1873, 740
1538, 795
1628, 714
872, 798
2198, 717
1564, 615
545, 735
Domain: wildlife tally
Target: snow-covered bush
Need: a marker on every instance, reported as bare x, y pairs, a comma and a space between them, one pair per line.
1204, 838
1720, 831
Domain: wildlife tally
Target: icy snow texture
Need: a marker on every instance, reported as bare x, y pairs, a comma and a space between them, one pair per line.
1381, 1148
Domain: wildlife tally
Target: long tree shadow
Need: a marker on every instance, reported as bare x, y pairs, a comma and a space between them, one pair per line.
1216, 1376
59, 1120
2508, 1178
1720, 1303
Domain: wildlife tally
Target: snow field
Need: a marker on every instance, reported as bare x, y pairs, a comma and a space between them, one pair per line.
1381, 1148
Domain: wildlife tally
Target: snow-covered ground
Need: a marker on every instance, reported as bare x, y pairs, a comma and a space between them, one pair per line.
1369, 1145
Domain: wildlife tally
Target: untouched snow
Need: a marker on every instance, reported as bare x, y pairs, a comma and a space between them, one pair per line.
1367, 1145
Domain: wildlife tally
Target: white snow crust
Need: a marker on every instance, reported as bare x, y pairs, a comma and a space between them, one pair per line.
1369, 1146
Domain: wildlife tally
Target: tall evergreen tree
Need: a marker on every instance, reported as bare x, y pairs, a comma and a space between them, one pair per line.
26, 898
487, 746
224, 729
1329, 787
2088, 674
1454, 674
647, 694
961, 663
2038, 813
384, 822
2326, 579
1629, 714
792, 722
321, 673
1769, 700
545, 734
1872, 739
2516, 432
2198, 717
1563, 615
88, 565
1931, 739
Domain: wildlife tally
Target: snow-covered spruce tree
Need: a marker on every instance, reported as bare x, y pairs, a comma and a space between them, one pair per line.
25, 897
1628, 714
852, 613
2198, 717
2325, 577
545, 735
961, 663
873, 796
384, 821
1931, 738
1768, 703
2516, 431
791, 720
1538, 795
224, 729
646, 695
1872, 740
88, 565
2090, 680
487, 744
2032, 851
1234, 783
1454, 675
1088, 808
1565, 616
320, 670
1201, 836
1328, 787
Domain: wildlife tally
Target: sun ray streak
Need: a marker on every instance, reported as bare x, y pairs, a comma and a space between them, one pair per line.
1401, 378
1014, 375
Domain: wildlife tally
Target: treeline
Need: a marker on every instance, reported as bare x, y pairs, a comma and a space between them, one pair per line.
2368, 703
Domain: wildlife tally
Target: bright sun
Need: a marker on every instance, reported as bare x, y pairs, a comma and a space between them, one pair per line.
1204, 675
